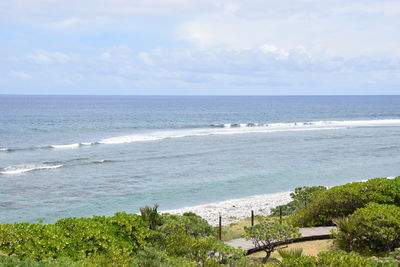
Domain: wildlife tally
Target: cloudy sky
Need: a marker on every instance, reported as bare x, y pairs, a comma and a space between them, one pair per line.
262, 47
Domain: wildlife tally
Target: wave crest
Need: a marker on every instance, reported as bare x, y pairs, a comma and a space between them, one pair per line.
18, 169
220, 129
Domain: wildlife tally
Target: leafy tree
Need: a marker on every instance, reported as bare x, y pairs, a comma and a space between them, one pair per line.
268, 234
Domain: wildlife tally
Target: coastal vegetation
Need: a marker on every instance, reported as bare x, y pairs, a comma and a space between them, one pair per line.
343, 200
367, 216
269, 232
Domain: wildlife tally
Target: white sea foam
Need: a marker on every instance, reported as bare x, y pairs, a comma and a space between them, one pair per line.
236, 209
18, 169
226, 129
196, 132
86, 144
313, 123
245, 128
70, 146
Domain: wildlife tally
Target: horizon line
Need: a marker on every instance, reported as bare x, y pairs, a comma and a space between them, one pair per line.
194, 95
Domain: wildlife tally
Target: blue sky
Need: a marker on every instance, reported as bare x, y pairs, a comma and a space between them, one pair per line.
203, 47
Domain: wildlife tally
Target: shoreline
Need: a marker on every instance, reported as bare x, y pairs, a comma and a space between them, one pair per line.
237, 209
234, 210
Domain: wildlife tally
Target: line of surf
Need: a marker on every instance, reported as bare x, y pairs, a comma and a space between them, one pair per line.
18, 169
28, 167
221, 129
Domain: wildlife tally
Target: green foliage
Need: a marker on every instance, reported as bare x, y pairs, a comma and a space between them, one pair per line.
151, 216
266, 235
154, 257
341, 258
395, 254
304, 261
187, 239
373, 229
12, 261
338, 259
341, 201
204, 250
301, 197
189, 222
75, 238
291, 253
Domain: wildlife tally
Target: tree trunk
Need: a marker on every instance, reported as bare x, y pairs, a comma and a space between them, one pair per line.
266, 256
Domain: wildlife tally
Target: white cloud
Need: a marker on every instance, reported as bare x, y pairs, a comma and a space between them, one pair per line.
47, 57
337, 27
20, 75
202, 44
65, 23
260, 68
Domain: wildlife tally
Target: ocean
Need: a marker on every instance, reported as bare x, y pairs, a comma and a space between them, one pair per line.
63, 156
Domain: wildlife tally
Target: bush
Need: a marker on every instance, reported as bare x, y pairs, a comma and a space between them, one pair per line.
75, 238
341, 201
341, 258
12, 261
303, 261
153, 257
338, 259
373, 229
301, 197
189, 222
151, 216
290, 253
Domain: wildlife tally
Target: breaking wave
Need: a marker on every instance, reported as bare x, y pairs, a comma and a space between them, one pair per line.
221, 129
18, 169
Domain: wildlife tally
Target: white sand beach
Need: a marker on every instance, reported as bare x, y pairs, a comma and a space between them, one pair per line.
233, 210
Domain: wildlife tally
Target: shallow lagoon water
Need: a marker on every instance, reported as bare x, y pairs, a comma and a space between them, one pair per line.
80, 156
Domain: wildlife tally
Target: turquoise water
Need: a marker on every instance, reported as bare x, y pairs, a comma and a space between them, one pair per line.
78, 156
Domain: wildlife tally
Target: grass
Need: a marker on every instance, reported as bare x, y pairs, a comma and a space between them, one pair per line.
236, 230
310, 248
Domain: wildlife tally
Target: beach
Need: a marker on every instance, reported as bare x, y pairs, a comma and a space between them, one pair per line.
234, 210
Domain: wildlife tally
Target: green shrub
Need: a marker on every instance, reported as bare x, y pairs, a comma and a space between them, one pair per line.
151, 216
290, 253
338, 259
303, 261
191, 223
341, 201
341, 258
373, 229
75, 238
204, 250
12, 261
190, 238
301, 197
154, 257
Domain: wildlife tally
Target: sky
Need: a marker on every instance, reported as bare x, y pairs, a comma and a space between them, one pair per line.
200, 47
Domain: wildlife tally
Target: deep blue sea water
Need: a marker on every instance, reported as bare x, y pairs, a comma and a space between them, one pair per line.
83, 155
